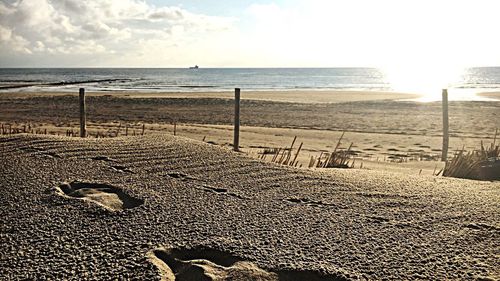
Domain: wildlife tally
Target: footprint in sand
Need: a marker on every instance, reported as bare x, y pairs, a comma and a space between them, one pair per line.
308, 202
214, 189
181, 176
102, 158
41, 152
116, 167
104, 195
210, 265
121, 169
205, 187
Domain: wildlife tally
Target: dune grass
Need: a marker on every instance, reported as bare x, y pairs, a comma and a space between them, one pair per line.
479, 164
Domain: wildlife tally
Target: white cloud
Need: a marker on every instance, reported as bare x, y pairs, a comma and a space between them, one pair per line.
168, 13
13, 42
111, 30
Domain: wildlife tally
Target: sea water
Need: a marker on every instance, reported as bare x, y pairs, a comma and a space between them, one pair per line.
472, 80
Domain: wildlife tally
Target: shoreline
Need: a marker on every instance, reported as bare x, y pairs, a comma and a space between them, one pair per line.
316, 95
291, 96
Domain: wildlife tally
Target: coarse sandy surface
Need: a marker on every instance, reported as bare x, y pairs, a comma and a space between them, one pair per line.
158, 206
387, 130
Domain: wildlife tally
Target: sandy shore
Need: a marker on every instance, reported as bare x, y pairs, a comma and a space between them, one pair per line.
492, 95
140, 207
384, 128
298, 96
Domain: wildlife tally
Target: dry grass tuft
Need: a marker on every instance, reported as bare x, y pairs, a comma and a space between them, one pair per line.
283, 156
339, 158
482, 164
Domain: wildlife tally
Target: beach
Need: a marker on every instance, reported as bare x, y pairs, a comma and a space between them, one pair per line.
155, 191
249, 140
383, 128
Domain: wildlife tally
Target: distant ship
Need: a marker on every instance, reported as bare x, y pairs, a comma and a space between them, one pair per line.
194, 67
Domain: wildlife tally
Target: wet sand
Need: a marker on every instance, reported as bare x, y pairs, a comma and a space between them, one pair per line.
491, 95
298, 96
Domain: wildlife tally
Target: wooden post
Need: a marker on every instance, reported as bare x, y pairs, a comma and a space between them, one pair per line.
290, 152
236, 142
175, 128
296, 155
143, 128
83, 121
446, 136
276, 154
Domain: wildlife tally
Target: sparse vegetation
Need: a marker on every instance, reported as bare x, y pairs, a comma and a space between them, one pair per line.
283, 156
339, 158
481, 164
94, 130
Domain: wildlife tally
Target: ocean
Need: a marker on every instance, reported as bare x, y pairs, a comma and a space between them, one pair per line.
471, 80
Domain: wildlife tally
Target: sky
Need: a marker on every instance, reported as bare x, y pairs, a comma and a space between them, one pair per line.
390, 34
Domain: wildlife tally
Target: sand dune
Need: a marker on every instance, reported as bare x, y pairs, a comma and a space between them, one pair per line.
205, 207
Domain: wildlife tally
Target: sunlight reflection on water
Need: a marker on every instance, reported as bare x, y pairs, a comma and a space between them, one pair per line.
463, 84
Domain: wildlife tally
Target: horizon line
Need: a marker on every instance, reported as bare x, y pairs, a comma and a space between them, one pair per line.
211, 67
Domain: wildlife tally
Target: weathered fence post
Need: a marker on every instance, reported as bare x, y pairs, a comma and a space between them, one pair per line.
236, 142
83, 121
446, 136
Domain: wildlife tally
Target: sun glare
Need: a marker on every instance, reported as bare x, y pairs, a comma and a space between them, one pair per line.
427, 81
